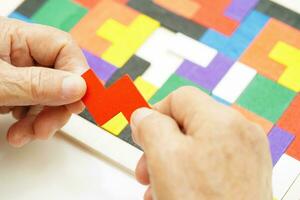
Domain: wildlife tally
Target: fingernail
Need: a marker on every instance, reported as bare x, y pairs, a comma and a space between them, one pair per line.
72, 87
139, 115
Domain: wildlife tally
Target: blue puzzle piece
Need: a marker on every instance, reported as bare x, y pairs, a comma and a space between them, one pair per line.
235, 45
19, 16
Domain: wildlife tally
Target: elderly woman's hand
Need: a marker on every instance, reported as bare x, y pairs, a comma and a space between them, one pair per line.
40, 79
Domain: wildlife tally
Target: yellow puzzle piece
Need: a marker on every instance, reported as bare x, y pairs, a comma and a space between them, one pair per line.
146, 89
116, 124
125, 40
290, 57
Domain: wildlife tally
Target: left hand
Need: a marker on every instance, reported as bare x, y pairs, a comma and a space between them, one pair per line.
40, 80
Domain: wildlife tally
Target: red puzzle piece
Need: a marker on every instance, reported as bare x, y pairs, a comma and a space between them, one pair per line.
105, 103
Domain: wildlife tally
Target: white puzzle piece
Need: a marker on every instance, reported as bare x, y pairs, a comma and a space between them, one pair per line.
234, 82
192, 50
163, 62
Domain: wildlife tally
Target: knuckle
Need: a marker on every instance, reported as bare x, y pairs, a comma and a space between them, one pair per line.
35, 78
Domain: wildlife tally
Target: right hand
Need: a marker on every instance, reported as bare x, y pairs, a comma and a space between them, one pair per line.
196, 148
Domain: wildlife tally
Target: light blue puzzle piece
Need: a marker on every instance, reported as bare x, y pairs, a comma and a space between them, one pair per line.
235, 45
19, 16
220, 100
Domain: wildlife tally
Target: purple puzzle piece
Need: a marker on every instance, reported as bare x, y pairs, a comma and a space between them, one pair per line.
208, 77
103, 69
279, 141
238, 9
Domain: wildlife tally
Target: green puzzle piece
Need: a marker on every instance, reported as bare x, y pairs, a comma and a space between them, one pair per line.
62, 14
266, 98
173, 83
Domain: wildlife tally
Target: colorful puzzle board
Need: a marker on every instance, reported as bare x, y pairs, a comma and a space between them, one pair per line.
244, 53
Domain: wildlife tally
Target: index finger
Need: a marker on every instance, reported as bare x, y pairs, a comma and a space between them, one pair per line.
47, 46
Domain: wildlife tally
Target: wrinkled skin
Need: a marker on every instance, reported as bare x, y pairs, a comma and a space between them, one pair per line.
40, 79
195, 148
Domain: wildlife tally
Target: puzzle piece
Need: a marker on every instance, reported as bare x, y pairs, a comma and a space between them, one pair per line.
279, 141
221, 15
211, 15
290, 121
173, 83
234, 82
265, 124
126, 136
29, 7
207, 77
239, 9
285, 172
186, 8
125, 40
163, 63
67, 14
88, 3
19, 16
103, 69
106, 103
168, 19
257, 55
134, 68
237, 43
166, 51
289, 57
146, 89
266, 98
116, 124
191, 49
85, 30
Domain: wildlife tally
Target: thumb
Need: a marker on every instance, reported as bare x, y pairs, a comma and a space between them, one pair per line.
21, 86
153, 130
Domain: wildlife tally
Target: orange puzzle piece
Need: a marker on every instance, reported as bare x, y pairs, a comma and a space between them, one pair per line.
257, 55
211, 14
105, 103
290, 121
186, 8
87, 3
85, 31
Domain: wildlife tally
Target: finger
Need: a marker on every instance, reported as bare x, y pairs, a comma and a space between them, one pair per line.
148, 194
151, 129
21, 132
192, 108
141, 171
49, 121
37, 85
76, 107
27, 42
38, 124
